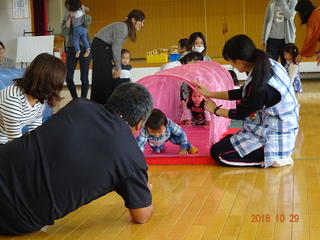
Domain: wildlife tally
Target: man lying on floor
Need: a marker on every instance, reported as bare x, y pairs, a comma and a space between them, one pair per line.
83, 152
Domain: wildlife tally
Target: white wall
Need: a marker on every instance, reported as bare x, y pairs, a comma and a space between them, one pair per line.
138, 73
11, 28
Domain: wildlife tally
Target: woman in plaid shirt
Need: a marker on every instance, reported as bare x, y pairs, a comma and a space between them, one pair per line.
267, 106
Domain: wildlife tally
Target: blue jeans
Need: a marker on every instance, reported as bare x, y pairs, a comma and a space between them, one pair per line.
80, 32
84, 71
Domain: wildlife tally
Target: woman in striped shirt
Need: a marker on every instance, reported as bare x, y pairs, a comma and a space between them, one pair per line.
22, 103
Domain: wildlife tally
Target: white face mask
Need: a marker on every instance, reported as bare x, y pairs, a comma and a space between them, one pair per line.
197, 49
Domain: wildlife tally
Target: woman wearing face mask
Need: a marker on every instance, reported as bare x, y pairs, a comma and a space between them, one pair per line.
197, 43
106, 47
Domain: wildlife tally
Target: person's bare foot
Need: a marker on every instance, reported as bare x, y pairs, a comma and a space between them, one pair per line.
87, 53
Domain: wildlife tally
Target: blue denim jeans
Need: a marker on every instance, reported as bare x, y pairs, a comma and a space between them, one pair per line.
80, 33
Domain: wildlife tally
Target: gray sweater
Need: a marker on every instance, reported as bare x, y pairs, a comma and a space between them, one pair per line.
114, 34
7, 63
288, 15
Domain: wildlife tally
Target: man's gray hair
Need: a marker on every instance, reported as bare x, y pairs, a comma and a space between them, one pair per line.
132, 102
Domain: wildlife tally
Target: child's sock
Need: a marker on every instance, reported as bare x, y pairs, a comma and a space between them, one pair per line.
193, 150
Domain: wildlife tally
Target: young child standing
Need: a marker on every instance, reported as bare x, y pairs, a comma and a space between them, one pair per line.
194, 112
159, 129
76, 11
125, 75
190, 57
182, 47
291, 52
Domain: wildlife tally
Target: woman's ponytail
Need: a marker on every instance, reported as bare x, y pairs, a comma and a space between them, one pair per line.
261, 71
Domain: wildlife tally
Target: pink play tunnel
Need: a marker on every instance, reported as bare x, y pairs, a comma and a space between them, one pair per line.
165, 89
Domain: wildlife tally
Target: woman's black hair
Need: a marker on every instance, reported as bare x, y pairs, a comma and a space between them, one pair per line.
138, 15
293, 50
305, 9
196, 56
192, 39
235, 79
241, 47
73, 5
2, 45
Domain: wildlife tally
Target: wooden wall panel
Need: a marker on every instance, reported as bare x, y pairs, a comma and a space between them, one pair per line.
102, 12
167, 21
254, 19
225, 19
234, 11
215, 23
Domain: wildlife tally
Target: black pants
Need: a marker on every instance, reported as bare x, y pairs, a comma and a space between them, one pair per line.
102, 80
275, 48
84, 71
120, 81
224, 153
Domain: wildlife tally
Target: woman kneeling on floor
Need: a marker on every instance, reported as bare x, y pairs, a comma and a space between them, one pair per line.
267, 106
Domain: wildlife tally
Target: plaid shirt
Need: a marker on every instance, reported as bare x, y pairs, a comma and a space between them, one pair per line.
275, 128
173, 133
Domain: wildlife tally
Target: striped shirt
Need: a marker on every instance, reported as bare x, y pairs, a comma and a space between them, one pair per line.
16, 112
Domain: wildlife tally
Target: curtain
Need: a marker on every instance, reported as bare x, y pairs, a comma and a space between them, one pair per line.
40, 17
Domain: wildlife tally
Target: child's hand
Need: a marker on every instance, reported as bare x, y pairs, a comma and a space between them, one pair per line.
183, 152
188, 122
182, 106
207, 123
116, 74
210, 105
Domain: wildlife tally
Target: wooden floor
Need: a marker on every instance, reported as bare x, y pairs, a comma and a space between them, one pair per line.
211, 202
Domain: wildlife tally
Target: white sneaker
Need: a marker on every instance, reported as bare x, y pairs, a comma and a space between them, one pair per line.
282, 162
